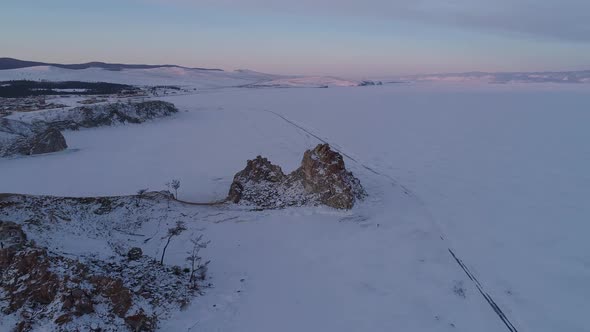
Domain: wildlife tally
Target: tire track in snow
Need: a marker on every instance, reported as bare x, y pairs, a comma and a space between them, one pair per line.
487, 297
485, 294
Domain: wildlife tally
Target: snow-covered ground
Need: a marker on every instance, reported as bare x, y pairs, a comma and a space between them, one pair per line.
496, 173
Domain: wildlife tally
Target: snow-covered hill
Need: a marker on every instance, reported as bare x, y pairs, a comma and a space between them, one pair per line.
171, 76
307, 82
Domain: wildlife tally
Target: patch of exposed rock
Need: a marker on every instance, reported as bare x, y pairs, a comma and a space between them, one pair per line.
20, 138
11, 236
322, 178
107, 114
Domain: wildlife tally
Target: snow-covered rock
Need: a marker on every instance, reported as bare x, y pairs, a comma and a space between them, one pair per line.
321, 179
105, 114
20, 138
39, 132
323, 174
43, 288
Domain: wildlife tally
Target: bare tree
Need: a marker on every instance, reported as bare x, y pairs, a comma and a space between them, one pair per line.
172, 232
198, 269
140, 194
175, 184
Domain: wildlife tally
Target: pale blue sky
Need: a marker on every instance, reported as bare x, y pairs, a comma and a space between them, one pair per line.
336, 37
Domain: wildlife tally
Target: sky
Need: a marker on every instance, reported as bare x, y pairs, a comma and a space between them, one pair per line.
323, 37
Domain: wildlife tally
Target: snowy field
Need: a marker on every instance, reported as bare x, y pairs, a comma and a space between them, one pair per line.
496, 173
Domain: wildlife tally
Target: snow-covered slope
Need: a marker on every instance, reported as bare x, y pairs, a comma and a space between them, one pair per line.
306, 82
171, 76
495, 173
155, 76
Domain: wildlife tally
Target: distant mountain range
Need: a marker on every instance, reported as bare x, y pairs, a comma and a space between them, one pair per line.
582, 76
11, 63
260, 79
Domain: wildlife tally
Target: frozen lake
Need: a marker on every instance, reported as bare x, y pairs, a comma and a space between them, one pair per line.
502, 169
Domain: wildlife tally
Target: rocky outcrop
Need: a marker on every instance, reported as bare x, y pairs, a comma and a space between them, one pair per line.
20, 138
107, 114
50, 140
322, 178
43, 289
260, 183
11, 235
40, 133
323, 173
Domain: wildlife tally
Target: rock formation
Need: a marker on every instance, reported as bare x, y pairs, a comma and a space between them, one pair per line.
40, 133
20, 138
11, 235
321, 179
323, 173
49, 140
107, 114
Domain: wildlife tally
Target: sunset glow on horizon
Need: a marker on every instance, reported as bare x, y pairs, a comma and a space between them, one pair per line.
348, 38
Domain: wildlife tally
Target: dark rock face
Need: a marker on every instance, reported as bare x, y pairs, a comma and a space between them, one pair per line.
324, 174
321, 179
26, 278
51, 140
109, 114
11, 235
20, 138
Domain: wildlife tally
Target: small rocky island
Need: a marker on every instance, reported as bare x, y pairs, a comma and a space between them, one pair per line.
322, 178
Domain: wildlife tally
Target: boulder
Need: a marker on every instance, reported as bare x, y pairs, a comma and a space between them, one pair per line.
20, 138
50, 140
134, 253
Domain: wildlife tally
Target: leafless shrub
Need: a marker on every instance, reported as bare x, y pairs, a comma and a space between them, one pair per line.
198, 268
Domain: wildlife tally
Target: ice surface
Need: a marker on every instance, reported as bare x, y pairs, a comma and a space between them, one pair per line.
501, 171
